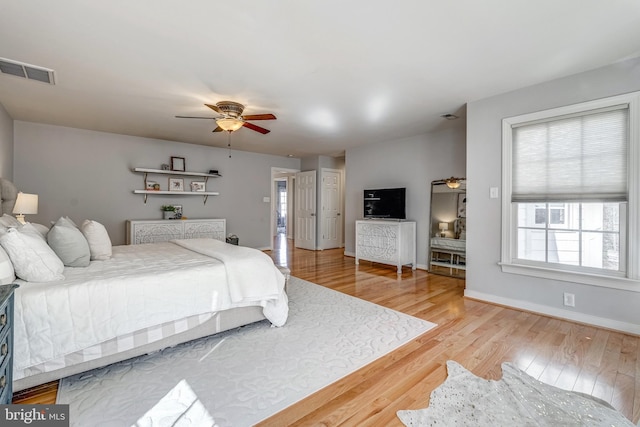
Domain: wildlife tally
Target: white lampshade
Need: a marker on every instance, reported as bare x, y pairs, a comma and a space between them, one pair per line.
444, 226
230, 124
25, 204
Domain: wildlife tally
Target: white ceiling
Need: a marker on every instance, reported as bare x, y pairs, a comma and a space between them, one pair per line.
337, 74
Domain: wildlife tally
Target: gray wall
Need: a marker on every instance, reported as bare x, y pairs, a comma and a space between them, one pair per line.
87, 175
598, 305
412, 163
6, 144
318, 162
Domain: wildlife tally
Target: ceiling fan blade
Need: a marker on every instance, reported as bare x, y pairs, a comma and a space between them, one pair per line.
256, 128
218, 129
191, 117
259, 117
214, 108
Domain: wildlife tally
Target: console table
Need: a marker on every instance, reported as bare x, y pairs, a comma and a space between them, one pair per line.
6, 343
152, 231
386, 242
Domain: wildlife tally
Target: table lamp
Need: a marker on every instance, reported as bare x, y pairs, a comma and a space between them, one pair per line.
444, 226
25, 204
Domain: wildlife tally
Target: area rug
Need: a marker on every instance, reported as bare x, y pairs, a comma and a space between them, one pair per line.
515, 400
243, 376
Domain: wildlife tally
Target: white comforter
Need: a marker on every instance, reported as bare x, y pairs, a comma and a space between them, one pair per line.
141, 286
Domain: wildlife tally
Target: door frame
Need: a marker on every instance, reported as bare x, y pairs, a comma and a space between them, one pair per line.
275, 174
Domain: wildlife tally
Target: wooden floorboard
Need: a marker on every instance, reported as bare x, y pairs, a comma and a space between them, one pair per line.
478, 335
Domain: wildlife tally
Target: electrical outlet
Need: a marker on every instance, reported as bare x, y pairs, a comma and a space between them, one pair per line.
569, 299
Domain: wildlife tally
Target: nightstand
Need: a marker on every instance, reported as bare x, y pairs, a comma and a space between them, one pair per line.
6, 343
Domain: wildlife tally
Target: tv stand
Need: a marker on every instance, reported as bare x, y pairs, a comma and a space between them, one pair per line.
386, 241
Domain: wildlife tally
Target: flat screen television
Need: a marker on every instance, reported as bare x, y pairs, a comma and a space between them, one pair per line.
385, 203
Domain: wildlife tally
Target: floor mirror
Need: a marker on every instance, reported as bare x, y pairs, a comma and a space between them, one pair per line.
448, 230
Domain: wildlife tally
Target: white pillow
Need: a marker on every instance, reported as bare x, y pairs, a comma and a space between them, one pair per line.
33, 260
42, 229
9, 221
69, 243
7, 275
98, 238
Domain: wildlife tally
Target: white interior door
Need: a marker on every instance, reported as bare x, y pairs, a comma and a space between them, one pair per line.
305, 217
331, 217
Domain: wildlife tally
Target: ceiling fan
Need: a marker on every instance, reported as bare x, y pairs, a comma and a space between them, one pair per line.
231, 118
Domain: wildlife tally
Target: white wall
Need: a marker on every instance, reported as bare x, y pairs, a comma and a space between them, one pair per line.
6, 144
412, 163
87, 174
597, 305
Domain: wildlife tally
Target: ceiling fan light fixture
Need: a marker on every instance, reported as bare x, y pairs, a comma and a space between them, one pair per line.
229, 124
230, 108
453, 183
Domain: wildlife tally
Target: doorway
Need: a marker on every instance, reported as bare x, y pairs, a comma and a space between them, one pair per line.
281, 206
282, 200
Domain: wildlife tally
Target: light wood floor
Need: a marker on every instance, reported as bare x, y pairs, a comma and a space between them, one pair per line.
477, 335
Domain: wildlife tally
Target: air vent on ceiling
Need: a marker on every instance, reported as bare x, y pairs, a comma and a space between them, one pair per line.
449, 116
26, 71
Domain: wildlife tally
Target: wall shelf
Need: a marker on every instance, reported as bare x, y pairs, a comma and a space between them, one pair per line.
147, 171
169, 172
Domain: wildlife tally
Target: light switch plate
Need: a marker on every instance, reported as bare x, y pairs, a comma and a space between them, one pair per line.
493, 192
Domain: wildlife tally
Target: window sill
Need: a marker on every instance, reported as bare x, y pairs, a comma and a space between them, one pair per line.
572, 276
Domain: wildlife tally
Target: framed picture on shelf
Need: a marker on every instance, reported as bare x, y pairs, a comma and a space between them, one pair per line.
198, 186
177, 164
153, 186
176, 184
177, 209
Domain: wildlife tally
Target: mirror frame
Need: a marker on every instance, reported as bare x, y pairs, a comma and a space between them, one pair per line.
435, 183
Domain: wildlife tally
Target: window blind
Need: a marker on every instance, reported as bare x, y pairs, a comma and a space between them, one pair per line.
580, 157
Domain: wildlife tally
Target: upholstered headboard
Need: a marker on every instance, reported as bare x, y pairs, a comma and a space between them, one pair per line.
8, 194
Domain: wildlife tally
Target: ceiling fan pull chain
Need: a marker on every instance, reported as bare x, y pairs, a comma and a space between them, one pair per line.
229, 142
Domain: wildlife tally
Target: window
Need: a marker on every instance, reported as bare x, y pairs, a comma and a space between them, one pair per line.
577, 234
570, 193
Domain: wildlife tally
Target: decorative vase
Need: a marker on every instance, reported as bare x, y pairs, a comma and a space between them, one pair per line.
168, 214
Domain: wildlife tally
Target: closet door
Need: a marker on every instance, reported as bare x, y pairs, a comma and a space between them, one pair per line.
305, 232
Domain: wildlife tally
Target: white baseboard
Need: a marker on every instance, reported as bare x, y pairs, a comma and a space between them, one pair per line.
556, 312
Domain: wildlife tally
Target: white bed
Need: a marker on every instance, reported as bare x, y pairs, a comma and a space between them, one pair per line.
138, 298
448, 244
449, 252
142, 299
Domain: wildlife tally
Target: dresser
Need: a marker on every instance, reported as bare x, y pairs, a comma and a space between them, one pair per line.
153, 231
6, 343
386, 242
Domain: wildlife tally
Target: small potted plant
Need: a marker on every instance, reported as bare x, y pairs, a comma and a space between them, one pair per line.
168, 211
